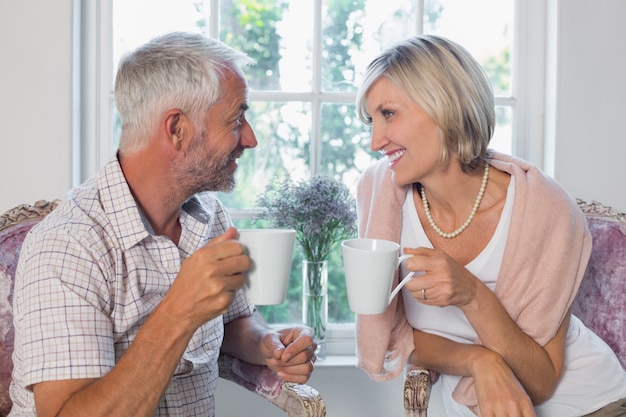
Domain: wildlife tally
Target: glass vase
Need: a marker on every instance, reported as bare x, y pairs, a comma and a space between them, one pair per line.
315, 301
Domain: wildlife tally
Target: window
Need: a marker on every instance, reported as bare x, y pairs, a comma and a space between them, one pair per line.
310, 55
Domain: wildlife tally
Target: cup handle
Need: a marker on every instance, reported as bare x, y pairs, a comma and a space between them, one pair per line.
400, 285
404, 258
406, 279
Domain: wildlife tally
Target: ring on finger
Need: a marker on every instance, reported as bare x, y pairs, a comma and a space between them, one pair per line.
424, 294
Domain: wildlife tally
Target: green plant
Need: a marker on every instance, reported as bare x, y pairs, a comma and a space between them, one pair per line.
321, 211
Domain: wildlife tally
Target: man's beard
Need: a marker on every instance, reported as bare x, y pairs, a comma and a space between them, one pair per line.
200, 172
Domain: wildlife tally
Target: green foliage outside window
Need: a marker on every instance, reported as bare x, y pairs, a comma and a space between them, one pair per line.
252, 26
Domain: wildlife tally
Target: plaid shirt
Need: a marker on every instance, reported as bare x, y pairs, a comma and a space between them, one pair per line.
88, 277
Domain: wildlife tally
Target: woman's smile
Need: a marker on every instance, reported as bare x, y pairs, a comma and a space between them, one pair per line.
395, 156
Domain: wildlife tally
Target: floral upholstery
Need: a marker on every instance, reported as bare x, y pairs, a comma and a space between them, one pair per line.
601, 299
295, 399
600, 302
14, 225
8, 259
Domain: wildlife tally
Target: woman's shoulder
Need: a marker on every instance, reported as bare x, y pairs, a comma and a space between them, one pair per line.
531, 183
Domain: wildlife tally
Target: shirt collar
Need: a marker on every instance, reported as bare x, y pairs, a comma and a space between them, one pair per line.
129, 223
120, 205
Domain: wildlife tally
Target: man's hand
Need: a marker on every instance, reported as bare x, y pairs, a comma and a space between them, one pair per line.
290, 353
206, 284
203, 289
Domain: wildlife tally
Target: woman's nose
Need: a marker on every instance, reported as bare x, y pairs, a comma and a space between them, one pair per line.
378, 139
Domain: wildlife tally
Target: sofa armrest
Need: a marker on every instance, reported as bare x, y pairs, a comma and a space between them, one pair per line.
297, 400
417, 385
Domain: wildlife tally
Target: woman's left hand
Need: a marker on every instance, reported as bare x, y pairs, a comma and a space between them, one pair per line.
444, 281
498, 390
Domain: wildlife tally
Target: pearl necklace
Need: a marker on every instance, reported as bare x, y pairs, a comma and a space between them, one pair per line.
458, 231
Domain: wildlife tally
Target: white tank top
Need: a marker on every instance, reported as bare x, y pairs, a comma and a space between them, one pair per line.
592, 377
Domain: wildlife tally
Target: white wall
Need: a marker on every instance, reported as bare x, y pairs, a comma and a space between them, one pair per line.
347, 392
35, 100
586, 113
584, 117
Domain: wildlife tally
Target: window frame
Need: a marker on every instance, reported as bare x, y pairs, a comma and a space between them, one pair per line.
95, 109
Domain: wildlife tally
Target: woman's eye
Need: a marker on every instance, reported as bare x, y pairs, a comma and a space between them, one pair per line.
386, 113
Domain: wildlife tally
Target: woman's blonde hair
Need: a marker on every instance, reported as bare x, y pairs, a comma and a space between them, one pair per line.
447, 83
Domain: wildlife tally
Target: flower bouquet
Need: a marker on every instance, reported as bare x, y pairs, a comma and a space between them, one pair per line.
323, 212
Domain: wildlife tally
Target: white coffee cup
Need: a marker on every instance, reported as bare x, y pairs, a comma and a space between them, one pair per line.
369, 266
270, 252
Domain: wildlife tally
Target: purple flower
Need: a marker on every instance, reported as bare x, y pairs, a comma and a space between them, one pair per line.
321, 211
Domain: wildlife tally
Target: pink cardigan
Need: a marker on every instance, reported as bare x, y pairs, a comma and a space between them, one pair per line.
544, 261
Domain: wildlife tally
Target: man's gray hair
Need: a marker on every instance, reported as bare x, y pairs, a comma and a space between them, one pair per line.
174, 71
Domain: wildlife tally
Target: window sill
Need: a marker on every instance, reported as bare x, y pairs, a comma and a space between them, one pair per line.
336, 361
340, 345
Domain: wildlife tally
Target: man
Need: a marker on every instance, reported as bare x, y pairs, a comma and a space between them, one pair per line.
121, 306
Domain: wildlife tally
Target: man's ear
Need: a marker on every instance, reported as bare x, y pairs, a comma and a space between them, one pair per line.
176, 127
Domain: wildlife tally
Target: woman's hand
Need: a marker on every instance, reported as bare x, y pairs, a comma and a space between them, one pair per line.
444, 281
535, 369
498, 390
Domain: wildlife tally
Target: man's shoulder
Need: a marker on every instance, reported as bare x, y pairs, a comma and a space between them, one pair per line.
79, 216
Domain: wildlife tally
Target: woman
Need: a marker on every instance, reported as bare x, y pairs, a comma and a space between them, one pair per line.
499, 249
